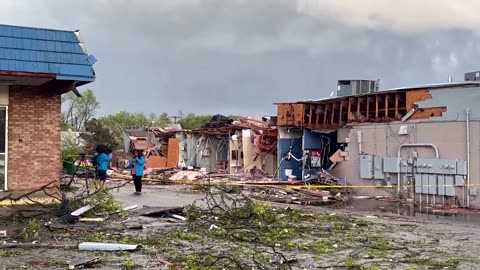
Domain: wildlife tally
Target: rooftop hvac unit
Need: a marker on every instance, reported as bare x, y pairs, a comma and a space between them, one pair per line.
472, 76
356, 87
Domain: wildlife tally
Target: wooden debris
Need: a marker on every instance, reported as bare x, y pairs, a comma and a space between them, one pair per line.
128, 208
316, 193
158, 211
32, 245
84, 263
86, 219
135, 227
163, 261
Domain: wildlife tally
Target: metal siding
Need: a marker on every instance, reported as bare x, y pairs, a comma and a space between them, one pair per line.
34, 50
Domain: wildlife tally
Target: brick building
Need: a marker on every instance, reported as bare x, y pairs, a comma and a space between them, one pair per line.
36, 67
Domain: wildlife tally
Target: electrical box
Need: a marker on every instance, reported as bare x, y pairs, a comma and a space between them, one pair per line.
441, 185
461, 167
378, 168
432, 184
436, 166
390, 165
459, 180
418, 183
449, 185
366, 166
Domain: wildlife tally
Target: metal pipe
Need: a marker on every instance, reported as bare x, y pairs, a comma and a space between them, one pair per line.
360, 142
105, 246
437, 155
467, 112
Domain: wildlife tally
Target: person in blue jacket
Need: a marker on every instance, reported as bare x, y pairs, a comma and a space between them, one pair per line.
102, 166
139, 161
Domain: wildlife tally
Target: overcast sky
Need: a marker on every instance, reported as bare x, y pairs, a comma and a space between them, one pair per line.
240, 56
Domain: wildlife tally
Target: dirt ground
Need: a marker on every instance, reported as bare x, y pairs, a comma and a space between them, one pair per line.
226, 231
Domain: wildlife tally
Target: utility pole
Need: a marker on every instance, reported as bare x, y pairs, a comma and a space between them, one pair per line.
175, 119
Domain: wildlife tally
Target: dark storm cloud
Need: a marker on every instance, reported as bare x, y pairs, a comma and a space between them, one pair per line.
239, 56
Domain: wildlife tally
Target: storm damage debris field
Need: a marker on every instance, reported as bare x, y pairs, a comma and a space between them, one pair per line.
232, 231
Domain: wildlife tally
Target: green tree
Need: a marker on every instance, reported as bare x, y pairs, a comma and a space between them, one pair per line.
120, 121
191, 121
77, 111
96, 134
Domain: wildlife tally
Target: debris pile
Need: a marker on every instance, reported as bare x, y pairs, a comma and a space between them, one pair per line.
300, 196
227, 229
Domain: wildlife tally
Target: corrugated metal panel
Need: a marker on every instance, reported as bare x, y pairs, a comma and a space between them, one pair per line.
34, 50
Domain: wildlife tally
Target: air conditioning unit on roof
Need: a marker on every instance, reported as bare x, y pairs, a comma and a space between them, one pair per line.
356, 87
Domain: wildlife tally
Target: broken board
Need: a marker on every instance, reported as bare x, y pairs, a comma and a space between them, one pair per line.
156, 162
84, 263
158, 211
173, 152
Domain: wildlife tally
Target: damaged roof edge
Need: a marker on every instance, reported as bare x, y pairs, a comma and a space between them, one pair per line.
408, 88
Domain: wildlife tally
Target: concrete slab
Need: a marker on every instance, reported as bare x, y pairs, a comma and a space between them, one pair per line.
156, 196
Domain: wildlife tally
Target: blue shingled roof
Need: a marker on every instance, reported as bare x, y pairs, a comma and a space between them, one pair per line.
24, 49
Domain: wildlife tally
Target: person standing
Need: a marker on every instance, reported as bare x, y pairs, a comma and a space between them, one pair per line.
102, 166
131, 165
139, 162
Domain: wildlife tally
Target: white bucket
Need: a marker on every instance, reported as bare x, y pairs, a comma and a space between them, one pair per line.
288, 172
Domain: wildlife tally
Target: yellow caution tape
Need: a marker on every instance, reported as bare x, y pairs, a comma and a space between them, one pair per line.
205, 182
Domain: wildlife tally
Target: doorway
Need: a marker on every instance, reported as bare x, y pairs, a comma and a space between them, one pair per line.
3, 148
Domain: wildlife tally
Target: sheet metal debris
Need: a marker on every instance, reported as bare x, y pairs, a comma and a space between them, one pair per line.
178, 217
81, 210
106, 246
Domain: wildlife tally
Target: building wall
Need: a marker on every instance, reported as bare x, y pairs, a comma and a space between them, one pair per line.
383, 140
289, 139
193, 150
34, 124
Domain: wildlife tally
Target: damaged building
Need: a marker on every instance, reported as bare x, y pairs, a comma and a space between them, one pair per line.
37, 66
415, 142
224, 145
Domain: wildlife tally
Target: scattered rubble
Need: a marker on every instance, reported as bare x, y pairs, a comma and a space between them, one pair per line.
230, 229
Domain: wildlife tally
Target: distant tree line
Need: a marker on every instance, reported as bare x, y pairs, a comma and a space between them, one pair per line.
79, 114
